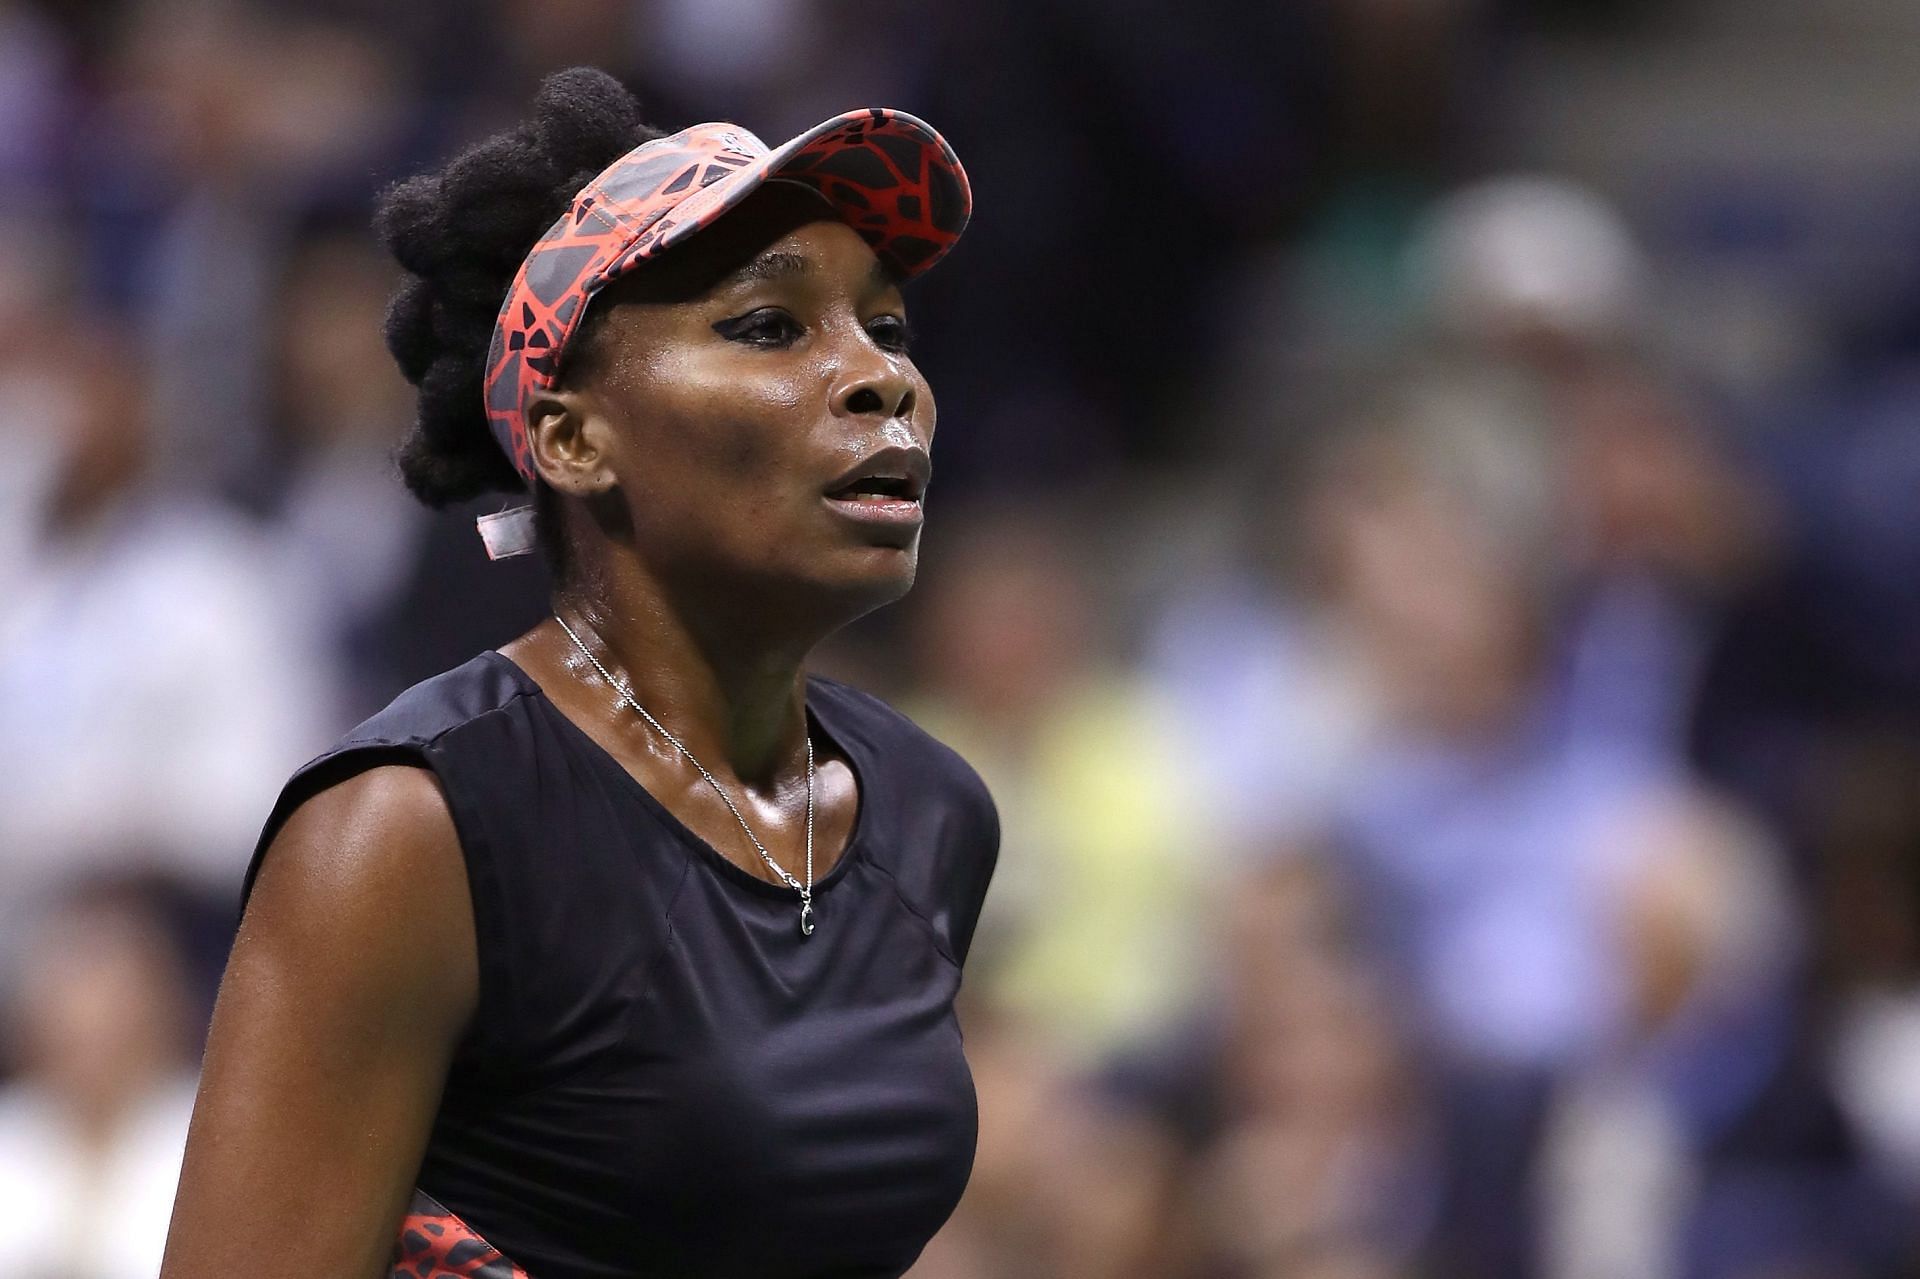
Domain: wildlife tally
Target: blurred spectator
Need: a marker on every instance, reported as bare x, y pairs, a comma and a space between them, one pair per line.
349, 529
1871, 916
1091, 934
218, 126
1066, 1182
93, 1123
1320, 1166
35, 270
1471, 823
1708, 943
1540, 307
157, 684
34, 66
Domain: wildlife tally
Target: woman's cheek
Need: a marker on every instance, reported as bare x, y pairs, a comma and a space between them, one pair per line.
928, 414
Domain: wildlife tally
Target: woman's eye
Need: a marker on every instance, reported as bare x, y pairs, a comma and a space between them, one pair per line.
892, 333
769, 326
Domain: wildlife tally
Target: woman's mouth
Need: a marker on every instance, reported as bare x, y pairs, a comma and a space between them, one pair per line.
878, 500
886, 489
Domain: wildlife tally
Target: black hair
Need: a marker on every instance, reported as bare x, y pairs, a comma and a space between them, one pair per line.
461, 232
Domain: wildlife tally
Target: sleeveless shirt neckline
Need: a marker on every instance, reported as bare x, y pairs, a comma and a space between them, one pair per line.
720, 862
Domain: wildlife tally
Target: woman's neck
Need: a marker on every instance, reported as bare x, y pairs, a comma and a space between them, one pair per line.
732, 693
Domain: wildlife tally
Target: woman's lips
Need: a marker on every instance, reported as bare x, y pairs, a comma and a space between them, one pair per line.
878, 508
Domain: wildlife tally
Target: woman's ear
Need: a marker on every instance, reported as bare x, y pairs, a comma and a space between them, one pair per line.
569, 437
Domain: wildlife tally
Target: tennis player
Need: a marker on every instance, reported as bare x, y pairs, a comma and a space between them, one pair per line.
629, 949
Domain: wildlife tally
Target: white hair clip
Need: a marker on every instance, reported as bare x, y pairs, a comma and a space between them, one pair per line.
507, 533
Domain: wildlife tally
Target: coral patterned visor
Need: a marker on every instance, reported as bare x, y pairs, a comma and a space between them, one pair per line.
887, 174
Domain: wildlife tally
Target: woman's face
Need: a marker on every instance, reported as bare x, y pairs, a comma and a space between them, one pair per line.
734, 389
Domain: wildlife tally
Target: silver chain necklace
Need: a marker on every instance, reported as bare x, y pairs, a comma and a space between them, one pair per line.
805, 890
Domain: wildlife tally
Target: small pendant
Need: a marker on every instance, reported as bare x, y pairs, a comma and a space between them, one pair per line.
806, 919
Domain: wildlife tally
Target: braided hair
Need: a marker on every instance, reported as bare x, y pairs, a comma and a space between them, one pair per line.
461, 233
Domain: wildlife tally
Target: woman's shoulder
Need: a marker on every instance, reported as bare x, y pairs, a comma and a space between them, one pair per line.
435, 706
410, 730
942, 827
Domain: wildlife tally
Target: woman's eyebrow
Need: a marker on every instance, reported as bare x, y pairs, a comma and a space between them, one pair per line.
780, 264
775, 264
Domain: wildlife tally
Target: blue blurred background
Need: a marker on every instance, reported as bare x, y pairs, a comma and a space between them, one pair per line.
1425, 553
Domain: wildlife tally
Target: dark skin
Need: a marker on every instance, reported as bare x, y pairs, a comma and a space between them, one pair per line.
692, 443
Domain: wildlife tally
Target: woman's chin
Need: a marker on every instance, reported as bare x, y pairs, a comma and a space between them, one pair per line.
871, 577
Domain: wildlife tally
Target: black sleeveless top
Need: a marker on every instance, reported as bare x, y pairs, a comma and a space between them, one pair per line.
664, 1078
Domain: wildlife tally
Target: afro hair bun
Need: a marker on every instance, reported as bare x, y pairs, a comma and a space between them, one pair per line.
461, 233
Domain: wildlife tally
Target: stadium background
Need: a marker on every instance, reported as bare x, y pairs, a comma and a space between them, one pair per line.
1426, 554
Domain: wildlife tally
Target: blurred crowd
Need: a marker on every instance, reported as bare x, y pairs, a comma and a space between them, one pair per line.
1442, 629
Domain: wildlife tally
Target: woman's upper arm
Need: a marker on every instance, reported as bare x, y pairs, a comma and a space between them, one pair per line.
351, 981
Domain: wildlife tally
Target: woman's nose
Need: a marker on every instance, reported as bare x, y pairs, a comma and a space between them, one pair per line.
874, 383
